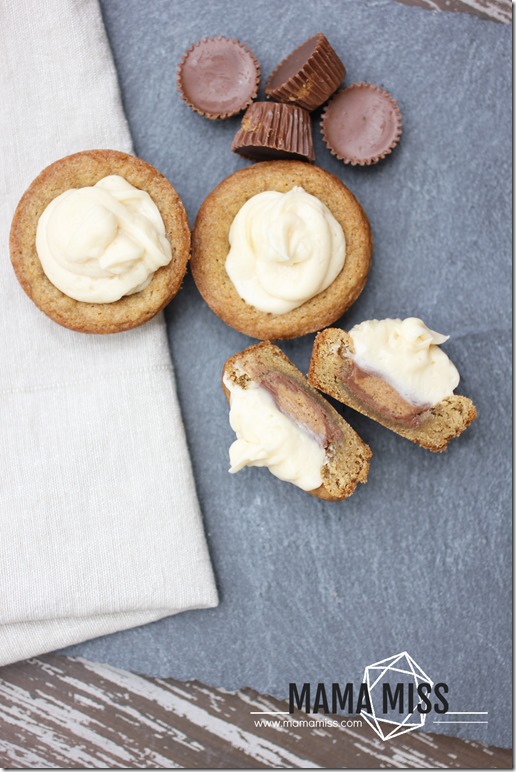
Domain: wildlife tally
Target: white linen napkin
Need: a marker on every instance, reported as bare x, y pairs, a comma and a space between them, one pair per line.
100, 528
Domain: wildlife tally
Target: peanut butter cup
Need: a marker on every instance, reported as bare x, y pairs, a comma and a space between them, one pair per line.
308, 76
218, 77
272, 131
361, 124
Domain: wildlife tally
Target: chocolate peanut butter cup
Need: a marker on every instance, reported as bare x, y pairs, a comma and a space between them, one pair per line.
361, 124
218, 77
272, 131
308, 76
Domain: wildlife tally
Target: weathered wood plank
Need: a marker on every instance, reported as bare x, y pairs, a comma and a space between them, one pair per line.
63, 712
494, 10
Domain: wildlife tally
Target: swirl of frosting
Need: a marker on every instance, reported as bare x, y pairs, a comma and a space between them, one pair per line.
267, 437
99, 243
406, 354
285, 248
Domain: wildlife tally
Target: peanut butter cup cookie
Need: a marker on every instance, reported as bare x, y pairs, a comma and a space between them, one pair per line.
280, 249
284, 424
100, 241
394, 371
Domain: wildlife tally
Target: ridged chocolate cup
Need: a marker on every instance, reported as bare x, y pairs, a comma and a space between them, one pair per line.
308, 76
275, 131
362, 124
218, 77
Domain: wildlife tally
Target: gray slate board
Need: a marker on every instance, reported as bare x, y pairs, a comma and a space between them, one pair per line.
419, 558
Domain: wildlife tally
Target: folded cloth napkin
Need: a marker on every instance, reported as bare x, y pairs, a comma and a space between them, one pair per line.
100, 528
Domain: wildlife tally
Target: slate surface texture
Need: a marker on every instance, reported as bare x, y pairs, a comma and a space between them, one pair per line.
419, 558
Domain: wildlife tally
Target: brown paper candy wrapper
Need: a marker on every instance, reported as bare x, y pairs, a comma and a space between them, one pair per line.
308, 76
271, 130
362, 124
218, 77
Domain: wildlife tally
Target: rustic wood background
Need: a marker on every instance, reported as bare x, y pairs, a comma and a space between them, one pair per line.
60, 712
69, 713
495, 10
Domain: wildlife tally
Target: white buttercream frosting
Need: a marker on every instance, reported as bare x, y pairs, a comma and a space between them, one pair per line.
267, 437
101, 242
406, 354
285, 248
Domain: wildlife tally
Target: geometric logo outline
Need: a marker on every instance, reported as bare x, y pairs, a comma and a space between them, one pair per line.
403, 663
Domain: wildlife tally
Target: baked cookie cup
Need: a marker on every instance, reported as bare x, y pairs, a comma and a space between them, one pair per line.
210, 248
82, 170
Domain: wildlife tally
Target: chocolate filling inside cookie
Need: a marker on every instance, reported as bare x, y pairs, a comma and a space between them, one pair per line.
298, 404
374, 392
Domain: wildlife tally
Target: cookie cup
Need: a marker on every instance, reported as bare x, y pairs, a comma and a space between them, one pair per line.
81, 170
210, 247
